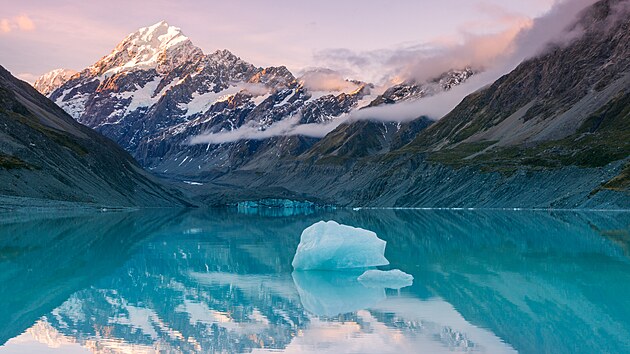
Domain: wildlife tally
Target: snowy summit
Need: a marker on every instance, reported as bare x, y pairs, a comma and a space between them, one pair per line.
50, 81
159, 46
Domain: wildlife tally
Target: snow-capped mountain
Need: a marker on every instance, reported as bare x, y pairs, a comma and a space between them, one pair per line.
156, 90
50, 81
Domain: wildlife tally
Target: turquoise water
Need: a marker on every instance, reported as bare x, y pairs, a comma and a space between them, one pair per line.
220, 281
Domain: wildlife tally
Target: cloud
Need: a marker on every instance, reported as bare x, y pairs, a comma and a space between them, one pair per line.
21, 23
320, 79
24, 23
481, 44
286, 127
434, 106
256, 89
478, 44
498, 53
5, 26
510, 49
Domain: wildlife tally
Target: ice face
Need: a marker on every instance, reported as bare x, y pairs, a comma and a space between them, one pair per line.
331, 246
391, 279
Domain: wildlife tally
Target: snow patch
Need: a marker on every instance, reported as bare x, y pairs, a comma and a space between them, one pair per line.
260, 99
149, 48
193, 183
200, 103
74, 106
139, 318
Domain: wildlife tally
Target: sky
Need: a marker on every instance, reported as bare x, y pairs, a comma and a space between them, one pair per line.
369, 40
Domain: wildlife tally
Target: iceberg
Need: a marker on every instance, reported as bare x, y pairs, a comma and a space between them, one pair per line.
391, 279
330, 246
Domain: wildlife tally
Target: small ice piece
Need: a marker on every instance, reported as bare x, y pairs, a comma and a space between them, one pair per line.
330, 246
391, 279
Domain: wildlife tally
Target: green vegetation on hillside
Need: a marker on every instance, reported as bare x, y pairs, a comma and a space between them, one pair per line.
604, 137
11, 162
621, 182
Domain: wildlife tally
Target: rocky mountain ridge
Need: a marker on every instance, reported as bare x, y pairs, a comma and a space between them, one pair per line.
156, 90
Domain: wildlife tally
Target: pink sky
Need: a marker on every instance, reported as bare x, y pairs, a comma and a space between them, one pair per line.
38, 36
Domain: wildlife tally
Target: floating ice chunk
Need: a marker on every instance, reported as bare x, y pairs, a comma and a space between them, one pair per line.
391, 279
325, 293
330, 246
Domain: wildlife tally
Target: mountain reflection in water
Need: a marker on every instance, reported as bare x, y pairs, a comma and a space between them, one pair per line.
220, 281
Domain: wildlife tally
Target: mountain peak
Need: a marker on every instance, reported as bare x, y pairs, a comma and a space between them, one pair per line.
160, 35
51, 80
159, 46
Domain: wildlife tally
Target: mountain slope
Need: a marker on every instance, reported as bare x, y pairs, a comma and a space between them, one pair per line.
565, 111
552, 133
550, 96
364, 138
156, 90
413, 90
45, 154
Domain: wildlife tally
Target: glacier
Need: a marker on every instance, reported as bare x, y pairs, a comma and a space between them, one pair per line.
328, 245
391, 279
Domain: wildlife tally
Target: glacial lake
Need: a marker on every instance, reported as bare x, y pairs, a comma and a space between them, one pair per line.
221, 281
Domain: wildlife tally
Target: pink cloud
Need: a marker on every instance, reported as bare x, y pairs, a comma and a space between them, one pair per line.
20, 23
24, 23
5, 25
326, 80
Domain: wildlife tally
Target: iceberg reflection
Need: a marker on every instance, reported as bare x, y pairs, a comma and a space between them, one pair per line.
144, 282
331, 293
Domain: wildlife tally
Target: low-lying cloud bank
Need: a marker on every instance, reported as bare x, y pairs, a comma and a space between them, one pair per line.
497, 53
321, 79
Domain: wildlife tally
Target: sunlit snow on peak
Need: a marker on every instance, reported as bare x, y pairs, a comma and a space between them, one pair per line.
160, 46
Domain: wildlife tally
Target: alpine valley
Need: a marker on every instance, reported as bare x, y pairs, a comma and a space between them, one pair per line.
554, 132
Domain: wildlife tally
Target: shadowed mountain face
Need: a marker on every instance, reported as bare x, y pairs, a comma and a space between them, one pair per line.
45, 154
203, 281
